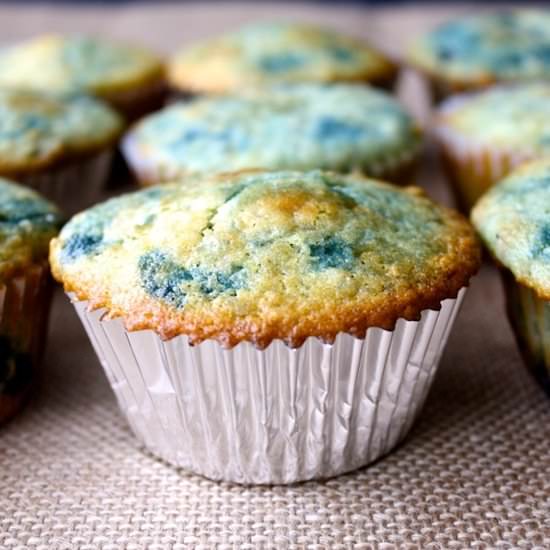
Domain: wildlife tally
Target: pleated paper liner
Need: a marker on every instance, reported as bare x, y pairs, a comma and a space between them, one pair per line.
24, 306
277, 415
530, 318
74, 185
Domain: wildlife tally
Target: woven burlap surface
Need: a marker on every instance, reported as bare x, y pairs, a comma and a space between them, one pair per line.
474, 472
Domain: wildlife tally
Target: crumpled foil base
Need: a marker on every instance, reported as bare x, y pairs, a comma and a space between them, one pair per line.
74, 186
277, 415
24, 307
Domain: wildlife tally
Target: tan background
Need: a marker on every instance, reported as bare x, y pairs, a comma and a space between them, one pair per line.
474, 473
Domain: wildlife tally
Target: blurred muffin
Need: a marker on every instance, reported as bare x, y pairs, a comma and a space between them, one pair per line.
484, 135
27, 223
302, 126
513, 219
130, 78
478, 50
263, 54
61, 146
191, 293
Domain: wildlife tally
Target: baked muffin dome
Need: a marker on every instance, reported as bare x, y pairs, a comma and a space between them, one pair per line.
262, 256
484, 135
40, 130
300, 126
268, 53
77, 63
513, 219
478, 50
27, 223
511, 118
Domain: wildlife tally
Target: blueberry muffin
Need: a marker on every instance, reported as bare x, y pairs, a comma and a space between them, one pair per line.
513, 219
484, 135
130, 78
298, 126
479, 50
27, 223
256, 312
263, 54
61, 146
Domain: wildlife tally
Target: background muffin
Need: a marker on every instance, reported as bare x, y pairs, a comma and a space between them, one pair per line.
251, 262
479, 50
302, 126
130, 78
484, 135
270, 53
61, 146
513, 219
27, 223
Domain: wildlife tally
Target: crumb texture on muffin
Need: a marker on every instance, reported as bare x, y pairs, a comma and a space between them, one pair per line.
298, 126
513, 219
479, 49
261, 256
57, 63
27, 223
38, 130
506, 118
267, 53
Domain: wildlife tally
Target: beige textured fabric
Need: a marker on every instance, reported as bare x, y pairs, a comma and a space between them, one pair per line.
474, 472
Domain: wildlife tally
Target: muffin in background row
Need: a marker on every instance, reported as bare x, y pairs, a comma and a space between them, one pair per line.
267, 53
485, 135
513, 219
479, 50
62, 146
339, 127
268, 327
27, 223
130, 78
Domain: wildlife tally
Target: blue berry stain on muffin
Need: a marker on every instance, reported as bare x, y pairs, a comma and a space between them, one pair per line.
164, 278
328, 128
541, 247
331, 252
281, 62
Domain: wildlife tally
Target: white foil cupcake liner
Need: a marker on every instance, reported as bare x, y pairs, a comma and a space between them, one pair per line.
277, 415
472, 166
24, 306
73, 186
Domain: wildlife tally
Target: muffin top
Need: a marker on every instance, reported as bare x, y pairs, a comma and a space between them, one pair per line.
27, 223
513, 219
268, 53
38, 130
479, 49
56, 63
261, 256
298, 126
512, 117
